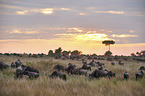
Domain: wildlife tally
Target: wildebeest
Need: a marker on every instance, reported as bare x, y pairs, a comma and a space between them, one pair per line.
71, 67
142, 68
31, 75
100, 63
126, 75
79, 71
58, 74
26, 70
112, 63
18, 63
120, 63
98, 73
111, 74
60, 67
86, 66
93, 63
139, 75
3, 65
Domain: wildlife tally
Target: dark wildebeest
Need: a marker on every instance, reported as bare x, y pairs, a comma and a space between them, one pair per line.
93, 63
13, 65
126, 75
142, 68
18, 63
86, 66
98, 73
100, 63
120, 63
71, 67
58, 74
60, 67
79, 71
30, 69
111, 74
139, 75
112, 63
3, 65
26, 70
31, 75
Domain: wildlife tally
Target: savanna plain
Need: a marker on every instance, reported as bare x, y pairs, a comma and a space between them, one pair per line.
75, 85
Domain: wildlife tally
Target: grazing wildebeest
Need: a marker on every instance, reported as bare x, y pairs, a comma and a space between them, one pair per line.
30, 69
79, 71
139, 75
31, 75
26, 70
142, 68
60, 67
93, 63
120, 63
100, 63
58, 74
126, 75
71, 67
18, 63
111, 74
13, 65
86, 66
3, 65
98, 73
112, 63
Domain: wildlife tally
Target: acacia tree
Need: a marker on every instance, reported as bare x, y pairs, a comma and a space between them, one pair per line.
58, 51
108, 43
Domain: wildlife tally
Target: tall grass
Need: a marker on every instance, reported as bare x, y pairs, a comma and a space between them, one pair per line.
75, 85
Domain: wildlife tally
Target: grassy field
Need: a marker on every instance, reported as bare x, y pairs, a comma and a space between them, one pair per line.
75, 85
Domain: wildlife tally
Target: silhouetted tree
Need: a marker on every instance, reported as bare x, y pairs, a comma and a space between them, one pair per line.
58, 51
137, 53
50, 53
133, 55
66, 52
76, 52
142, 53
108, 53
108, 43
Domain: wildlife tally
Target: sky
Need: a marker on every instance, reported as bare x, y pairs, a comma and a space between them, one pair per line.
37, 26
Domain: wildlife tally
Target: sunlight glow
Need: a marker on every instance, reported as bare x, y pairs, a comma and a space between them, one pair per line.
47, 11
96, 37
22, 12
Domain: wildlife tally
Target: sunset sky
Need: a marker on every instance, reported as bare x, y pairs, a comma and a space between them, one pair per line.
37, 26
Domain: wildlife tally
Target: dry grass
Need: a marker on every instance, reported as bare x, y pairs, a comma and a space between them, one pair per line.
74, 86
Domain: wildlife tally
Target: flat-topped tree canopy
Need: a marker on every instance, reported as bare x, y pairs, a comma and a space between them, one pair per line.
108, 42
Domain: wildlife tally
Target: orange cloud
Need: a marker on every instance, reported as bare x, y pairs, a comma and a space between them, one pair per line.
123, 35
27, 31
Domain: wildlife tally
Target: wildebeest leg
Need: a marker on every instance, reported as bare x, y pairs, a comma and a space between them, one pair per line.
136, 77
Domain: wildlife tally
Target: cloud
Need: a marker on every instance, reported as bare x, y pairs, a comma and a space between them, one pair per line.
85, 37
46, 11
131, 31
10, 6
26, 31
74, 30
124, 35
111, 12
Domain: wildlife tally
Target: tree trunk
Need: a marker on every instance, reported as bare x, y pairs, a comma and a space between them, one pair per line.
109, 47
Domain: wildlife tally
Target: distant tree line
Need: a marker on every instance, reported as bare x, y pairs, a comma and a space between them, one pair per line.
138, 54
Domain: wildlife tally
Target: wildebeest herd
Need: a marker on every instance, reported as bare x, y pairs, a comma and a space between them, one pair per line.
62, 71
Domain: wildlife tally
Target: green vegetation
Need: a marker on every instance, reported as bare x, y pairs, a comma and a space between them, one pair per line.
75, 85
